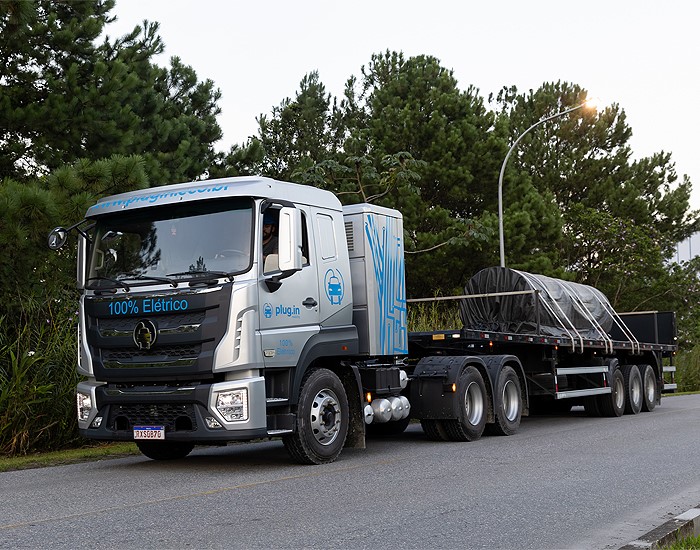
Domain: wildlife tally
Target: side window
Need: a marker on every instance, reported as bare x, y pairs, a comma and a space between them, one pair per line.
270, 242
304, 240
327, 239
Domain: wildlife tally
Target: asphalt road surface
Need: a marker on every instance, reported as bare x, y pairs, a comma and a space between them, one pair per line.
560, 482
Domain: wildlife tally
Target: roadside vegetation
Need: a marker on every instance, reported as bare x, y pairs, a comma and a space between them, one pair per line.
689, 543
84, 115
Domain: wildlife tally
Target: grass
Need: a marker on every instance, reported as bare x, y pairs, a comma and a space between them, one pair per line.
71, 456
688, 543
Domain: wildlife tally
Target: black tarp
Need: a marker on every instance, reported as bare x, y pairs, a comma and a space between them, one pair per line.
558, 308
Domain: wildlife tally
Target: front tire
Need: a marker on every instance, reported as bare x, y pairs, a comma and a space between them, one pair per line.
322, 419
508, 403
165, 450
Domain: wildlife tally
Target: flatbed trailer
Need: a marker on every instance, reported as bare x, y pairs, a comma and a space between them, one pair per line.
607, 377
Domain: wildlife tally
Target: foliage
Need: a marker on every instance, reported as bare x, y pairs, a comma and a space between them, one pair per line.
688, 370
64, 96
619, 219
37, 381
37, 291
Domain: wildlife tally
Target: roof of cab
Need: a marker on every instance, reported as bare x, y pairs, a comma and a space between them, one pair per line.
248, 186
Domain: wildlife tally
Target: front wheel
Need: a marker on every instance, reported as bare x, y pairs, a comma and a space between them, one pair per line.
322, 419
508, 403
165, 450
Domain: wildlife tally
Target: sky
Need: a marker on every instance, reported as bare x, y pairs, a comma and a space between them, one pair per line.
640, 54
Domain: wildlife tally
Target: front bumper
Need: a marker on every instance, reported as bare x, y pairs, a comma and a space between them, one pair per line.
186, 412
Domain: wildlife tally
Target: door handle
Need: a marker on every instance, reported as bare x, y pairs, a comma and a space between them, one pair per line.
309, 302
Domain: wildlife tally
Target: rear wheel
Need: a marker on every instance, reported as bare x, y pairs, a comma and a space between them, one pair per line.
613, 403
434, 430
471, 392
634, 396
648, 387
165, 450
322, 419
508, 404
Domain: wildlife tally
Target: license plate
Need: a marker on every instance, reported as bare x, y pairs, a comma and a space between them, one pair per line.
149, 432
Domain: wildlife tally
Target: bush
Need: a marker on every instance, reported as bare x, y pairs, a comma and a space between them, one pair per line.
688, 370
37, 381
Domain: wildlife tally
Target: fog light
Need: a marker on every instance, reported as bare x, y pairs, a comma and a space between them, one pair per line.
84, 406
212, 422
97, 422
233, 405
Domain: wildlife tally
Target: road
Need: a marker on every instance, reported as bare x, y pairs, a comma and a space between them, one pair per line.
560, 482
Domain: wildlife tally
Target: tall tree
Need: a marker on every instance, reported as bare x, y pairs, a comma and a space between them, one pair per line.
64, 96
620, 218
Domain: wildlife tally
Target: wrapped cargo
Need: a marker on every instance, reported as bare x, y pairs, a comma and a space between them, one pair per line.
508, 300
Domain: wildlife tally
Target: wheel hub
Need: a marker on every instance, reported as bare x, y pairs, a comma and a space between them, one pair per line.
325, 417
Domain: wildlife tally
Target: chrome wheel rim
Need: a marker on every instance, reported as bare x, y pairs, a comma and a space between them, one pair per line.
325, 417
474, 404
511, 401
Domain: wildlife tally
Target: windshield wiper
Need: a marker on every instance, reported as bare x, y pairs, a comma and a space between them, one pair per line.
153, 278
115, 283
201, 276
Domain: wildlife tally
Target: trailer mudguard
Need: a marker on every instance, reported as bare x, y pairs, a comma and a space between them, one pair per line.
432, 385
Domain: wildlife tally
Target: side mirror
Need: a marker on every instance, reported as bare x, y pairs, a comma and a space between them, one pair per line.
289, 240
57, 238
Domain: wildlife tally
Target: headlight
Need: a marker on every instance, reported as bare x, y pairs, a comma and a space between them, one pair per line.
84, 406
233, 405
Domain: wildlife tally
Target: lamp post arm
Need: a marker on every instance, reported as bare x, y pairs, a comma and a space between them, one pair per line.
503, 171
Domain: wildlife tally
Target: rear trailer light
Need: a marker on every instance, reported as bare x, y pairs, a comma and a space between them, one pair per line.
233, 405
84, 402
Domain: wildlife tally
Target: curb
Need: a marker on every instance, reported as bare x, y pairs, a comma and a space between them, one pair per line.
685, 525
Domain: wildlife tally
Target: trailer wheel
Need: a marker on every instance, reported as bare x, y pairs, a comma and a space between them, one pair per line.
613, 403
165, 450
471, 392
649, 387
322, 419
634, 396
434, 430
508, 404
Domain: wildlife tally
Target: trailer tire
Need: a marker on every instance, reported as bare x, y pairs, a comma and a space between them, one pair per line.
322, 419
649, 388
471, 392
434, 430
613, 403
508, 404
165, 450
634, 396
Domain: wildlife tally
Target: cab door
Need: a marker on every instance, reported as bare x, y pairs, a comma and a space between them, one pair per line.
289, 307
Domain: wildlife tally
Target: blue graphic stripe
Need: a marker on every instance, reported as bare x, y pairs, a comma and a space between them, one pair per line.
386, 247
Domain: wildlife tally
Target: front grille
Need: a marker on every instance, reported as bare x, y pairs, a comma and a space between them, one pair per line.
162, 352
175, 418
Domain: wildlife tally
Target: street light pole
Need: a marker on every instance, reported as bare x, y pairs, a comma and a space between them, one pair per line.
503, 170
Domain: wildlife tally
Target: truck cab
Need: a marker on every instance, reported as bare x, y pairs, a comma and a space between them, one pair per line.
188, 334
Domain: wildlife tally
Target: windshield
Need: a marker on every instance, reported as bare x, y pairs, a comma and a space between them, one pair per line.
173, 242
